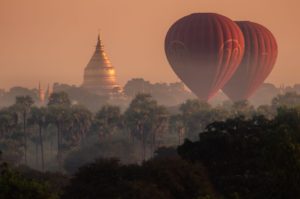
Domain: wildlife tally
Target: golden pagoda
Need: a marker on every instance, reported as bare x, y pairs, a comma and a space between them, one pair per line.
99, 74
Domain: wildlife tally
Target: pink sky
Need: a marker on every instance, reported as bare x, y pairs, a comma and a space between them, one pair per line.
52, 40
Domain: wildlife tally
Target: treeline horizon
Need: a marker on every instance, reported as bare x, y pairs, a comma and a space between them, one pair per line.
168, 94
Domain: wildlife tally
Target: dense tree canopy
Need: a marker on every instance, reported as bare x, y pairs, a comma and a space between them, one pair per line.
251, 158
13, 185
160, 178
233, 150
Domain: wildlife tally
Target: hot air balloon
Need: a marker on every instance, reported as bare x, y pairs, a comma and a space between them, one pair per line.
258, 61
204, 50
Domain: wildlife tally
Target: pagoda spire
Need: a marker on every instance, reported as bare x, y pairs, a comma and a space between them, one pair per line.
99, 46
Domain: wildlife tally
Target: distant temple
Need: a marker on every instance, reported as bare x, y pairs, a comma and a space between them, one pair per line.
42, 96
99, 74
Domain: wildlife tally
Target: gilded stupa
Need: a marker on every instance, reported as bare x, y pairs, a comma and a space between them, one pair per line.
99, 74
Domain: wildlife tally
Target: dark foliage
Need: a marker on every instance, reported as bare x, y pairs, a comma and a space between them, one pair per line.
255, 158
14, 185
160, 178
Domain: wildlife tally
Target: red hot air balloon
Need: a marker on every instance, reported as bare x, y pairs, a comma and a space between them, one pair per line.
258, 61
204, 50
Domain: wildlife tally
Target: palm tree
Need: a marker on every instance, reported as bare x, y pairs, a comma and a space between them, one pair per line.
23, 104
59, 115
81, 120
10, 139
144, 118
8, 121
107, 120
39, 117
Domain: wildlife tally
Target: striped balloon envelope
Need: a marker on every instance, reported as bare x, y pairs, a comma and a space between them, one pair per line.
258, 61
204, 50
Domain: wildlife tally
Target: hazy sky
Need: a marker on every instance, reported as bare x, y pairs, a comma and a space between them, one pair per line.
52, 40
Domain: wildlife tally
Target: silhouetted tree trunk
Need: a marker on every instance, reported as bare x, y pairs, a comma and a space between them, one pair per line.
51, 146
36, 154
153, 143
180, 135
24, 103
42, 147
25, 137
59, 146
143, 144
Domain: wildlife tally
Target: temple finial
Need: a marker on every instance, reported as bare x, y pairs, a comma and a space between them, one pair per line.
99, 45
99, 33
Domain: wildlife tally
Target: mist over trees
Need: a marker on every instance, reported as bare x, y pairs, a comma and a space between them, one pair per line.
168, 94
149, 150
47, 136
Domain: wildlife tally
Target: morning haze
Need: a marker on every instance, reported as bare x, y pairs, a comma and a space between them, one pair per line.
52, 41
91, 108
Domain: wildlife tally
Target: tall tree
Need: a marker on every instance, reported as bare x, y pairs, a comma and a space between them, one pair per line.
107, 120
80, 123
39, 118
176, 125
8, 121
195, 115
11, 139
23, 104
59, 98
144, 117
59, 114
